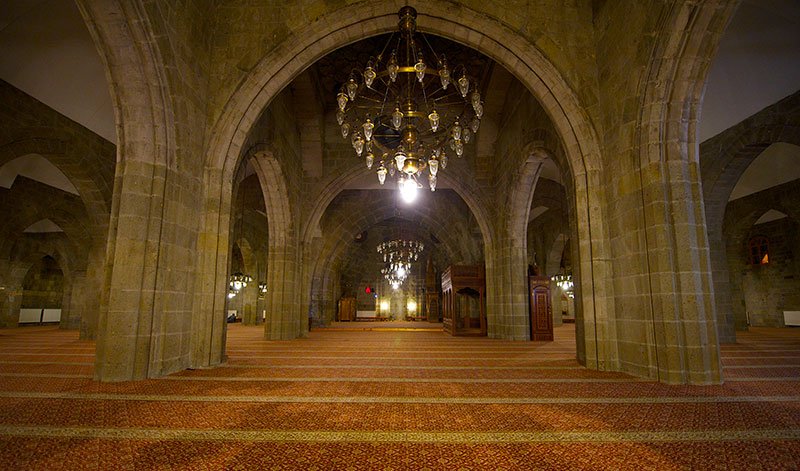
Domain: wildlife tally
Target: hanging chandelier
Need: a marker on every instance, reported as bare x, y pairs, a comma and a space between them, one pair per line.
564, 282
408, 107
239, 281
397, 256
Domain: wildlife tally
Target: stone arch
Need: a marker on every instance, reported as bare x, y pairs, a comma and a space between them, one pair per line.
666, 164
738, 227
554, 255
329, 252
723, 160
146, 165
348, 24
54, 148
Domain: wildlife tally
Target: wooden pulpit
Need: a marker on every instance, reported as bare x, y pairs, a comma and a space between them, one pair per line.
541, 310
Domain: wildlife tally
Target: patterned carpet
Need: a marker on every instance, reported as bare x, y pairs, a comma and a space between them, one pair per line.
395, 399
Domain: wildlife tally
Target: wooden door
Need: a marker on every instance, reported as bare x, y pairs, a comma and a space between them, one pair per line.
540, 308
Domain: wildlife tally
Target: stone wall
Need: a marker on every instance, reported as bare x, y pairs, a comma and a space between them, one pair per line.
87, 160
760, 293
43, 286
723, 160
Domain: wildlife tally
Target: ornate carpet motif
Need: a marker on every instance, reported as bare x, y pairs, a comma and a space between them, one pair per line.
395, 399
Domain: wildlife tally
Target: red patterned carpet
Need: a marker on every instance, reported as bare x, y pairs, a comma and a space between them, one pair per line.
346, 399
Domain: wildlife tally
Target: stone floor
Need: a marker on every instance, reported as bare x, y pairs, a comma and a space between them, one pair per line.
395, 399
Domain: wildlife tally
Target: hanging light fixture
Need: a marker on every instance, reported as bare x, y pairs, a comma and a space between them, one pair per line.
564, 282
239, 281
397, 256
406, 109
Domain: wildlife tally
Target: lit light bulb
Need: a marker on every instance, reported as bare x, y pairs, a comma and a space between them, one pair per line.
475, 99
433, 165
420, 67
368, 127
476, 123
408, 190
463, 86
370, 159
432, 182
434, 119
341, 99
444, 74
397, 118
381, 174
352, 88
369, 75
395, 285
401, 272
400, 159
456, 131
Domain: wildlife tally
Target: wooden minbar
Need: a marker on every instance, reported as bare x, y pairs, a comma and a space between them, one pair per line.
541, 310
463, 300
347, 309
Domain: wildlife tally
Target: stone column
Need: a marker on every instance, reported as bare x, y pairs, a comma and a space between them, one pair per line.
248, 302
507, 290
285, 321
72, 305
10, 303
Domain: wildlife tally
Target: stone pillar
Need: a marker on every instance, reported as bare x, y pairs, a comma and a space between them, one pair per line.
88, 301
10, 303
72, 305
555, 293
144, 328
726, 326
248, 302
284, 317
507, 291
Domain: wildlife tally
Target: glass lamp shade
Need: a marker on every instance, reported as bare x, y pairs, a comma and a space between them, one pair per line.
341, 99
463, 86
368, 127
456, 131
352, 88
434, 120
433, 166
400, 159
381, 174
444, 75
397, 118
419, 68
369, 76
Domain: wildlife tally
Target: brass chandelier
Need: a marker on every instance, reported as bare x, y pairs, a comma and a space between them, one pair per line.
408, 107
397, 257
